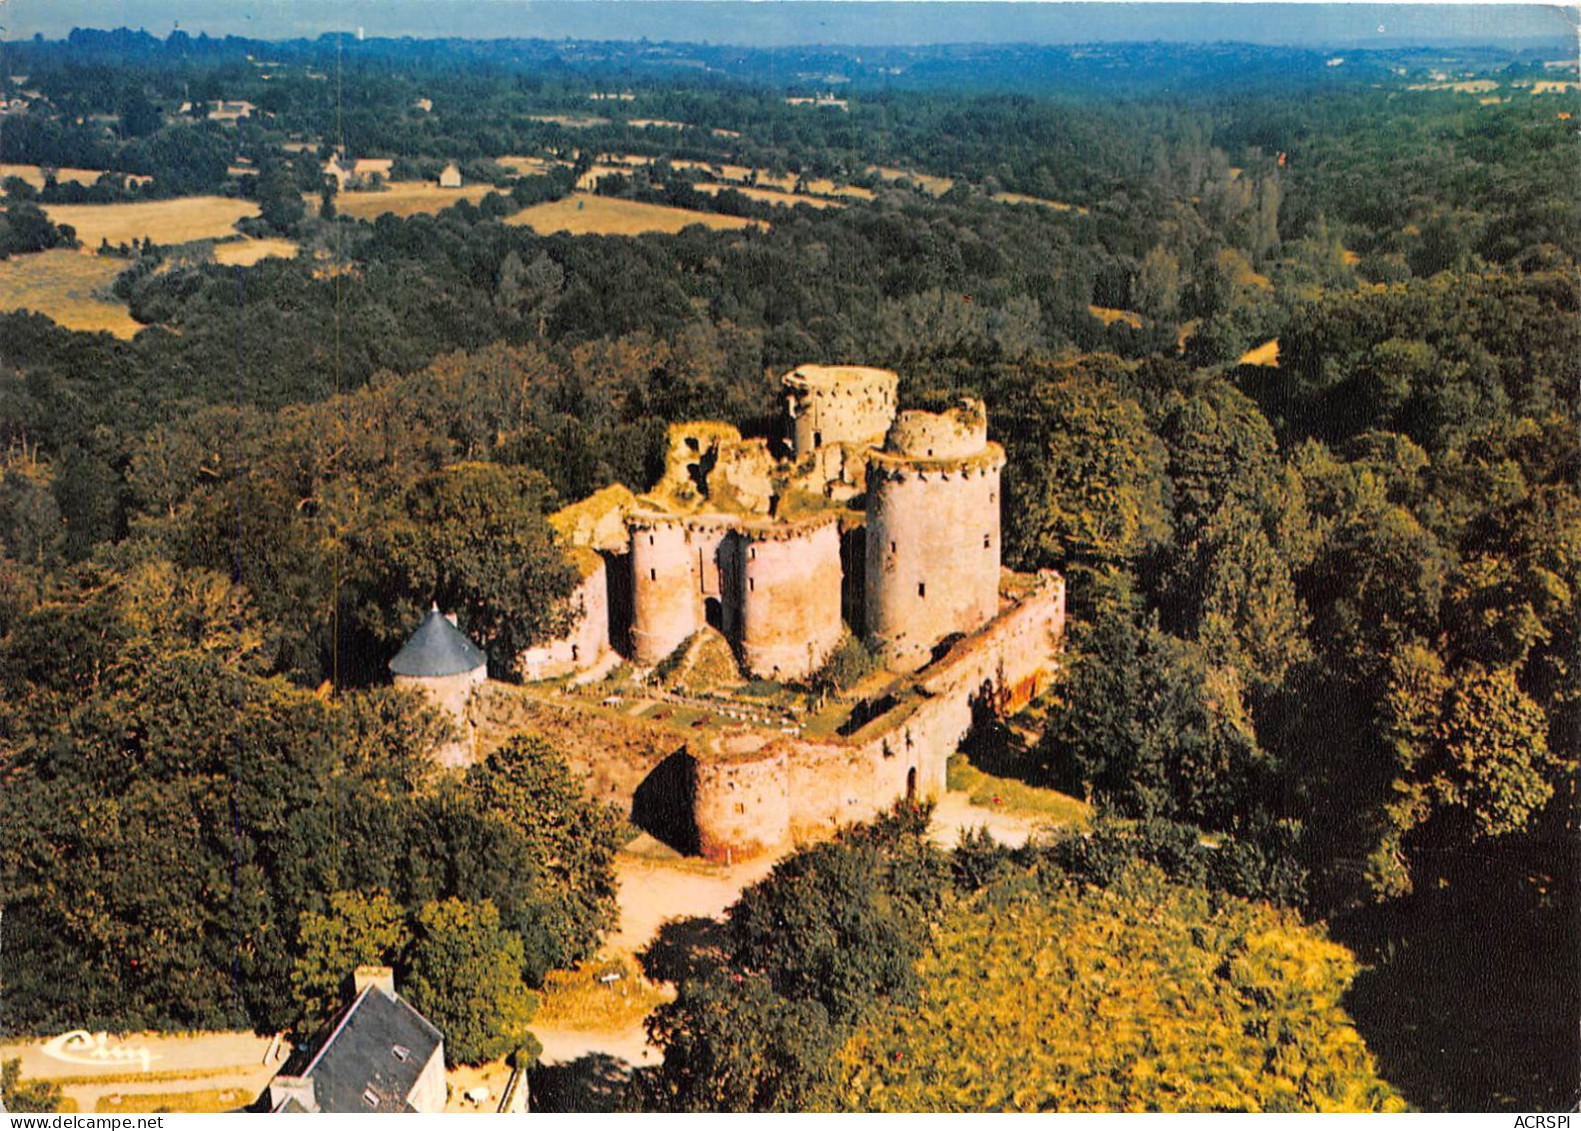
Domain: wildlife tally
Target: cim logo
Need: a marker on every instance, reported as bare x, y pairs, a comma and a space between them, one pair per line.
94, 1050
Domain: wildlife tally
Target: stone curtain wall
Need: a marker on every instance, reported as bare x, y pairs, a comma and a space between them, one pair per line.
812, 788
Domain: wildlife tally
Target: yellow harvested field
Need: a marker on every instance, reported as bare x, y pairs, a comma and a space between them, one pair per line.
738, 176
580, 214
595, 172
823, 186
69, 287
1265, 354
181, 220
245, 253
662, 123
1022, 198
737, 173
1552, 86
404, 198
1348, 257
938, 186
1109, 316
769, 196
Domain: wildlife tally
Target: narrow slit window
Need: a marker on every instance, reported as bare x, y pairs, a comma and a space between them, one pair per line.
988, 541
922, 589
653, 575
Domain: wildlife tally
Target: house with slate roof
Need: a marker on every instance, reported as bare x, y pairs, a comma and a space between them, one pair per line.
441, 662
378, 1054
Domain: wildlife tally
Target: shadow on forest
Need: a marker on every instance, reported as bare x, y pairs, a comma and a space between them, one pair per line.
593, 1083
1469, 1005
686, 948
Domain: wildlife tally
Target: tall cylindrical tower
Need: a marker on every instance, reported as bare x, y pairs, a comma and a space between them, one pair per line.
838, 404
790, 596
933, 540
664, 586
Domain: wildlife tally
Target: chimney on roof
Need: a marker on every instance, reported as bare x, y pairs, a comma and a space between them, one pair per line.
381, 976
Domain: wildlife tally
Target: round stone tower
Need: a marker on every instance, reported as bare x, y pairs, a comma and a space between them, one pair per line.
441, 662
838, 404
932, 532
664, 604
790, 596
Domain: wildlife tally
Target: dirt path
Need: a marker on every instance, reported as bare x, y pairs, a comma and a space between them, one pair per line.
955, 814
656, 884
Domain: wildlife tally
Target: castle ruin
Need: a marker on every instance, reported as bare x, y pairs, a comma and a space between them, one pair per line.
875, 522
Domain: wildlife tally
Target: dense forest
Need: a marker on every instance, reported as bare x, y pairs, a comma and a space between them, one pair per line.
1324, 611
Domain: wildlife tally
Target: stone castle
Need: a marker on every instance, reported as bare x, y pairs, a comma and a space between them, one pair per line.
868, 520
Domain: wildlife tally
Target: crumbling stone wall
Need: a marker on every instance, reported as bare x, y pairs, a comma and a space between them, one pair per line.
587, 641
902, 753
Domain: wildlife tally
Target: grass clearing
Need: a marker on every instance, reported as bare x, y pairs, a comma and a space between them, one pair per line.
609, 992
247, 252
572, 121
1015, 797
1265, 354
181, 220
582, 214
68, 287
207, 1100
927, 182
403, 198
1108, 315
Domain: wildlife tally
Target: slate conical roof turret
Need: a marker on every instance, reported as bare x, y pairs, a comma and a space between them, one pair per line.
437, 648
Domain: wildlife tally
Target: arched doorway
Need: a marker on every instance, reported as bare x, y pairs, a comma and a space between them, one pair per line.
911, 785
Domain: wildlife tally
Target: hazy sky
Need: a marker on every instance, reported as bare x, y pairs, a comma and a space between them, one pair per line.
771, 22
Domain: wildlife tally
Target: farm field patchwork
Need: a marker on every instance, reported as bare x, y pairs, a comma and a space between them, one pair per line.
180, 220
68, 287
527, 166
938, 186
403, 198
34, 175
770, 196
581, 214
245, 253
